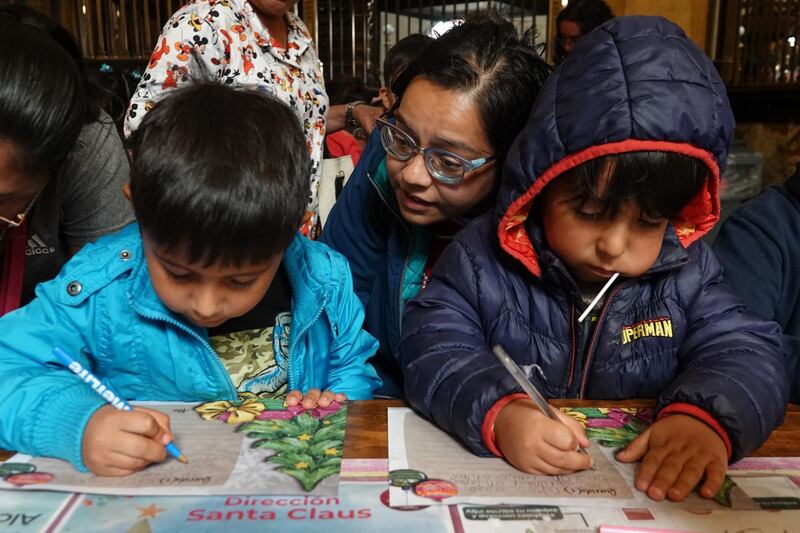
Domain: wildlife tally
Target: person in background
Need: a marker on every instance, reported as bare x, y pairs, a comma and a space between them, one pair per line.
62, 164
432, 168
759, 247
256, 44
576, 20
350, 140
397, 58
592, 275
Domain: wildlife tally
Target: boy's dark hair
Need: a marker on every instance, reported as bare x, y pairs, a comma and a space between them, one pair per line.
663, 183
487, 58
43, 100
220, 173
587, 14
402, 53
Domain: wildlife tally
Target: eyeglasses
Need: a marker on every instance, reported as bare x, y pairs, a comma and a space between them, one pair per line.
17, 221
443, 166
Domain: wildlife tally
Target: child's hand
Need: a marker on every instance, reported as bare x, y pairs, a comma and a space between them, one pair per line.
119, 443
314, 398
534, 443
678, 451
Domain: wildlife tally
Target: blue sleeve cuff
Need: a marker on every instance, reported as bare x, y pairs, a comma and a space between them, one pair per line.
57, 430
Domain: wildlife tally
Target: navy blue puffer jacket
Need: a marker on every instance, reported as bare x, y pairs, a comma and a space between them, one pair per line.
677, 333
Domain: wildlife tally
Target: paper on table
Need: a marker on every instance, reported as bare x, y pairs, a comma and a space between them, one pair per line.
222, 461
416, 444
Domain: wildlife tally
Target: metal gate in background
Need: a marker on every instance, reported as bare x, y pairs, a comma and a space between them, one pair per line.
353, 35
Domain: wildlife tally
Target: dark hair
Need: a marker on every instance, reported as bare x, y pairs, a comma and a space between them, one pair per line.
487, 58
346, 89
663, 183
42, 97
402, 53
587, 14
220, 173
96, 96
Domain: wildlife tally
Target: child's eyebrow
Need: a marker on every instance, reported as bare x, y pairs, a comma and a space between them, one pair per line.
243, 274
169, 262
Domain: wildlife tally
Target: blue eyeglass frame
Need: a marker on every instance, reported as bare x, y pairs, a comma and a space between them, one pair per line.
468, 165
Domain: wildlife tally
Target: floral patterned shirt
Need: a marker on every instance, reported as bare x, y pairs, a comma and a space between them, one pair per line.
235, 47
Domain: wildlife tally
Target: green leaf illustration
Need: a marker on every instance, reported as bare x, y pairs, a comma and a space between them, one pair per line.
307, 423
288, 445
10, 469
310, 478
271, 404
612, 437
307, 448
321, 447
723, 497
330, 432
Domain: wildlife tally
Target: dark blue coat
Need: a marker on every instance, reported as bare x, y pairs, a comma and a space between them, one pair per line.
677, 333
759, 246
387, 256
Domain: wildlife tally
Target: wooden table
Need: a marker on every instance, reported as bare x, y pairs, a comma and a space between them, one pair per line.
366, 433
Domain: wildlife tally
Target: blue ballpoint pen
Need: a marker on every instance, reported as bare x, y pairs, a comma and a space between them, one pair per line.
106, 393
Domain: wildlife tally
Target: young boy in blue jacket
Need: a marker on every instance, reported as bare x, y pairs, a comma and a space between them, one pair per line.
616, 172
211, 294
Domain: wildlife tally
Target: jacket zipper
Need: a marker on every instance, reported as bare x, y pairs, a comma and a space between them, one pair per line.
405, 261
572, 354
209, 349
290, 361
590, 352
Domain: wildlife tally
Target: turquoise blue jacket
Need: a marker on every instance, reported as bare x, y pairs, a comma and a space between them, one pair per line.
103, 310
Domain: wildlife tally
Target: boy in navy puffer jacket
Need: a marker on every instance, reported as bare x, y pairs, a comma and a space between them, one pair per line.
616, 172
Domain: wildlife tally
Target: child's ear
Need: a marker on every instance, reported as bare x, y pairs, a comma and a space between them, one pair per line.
126, 191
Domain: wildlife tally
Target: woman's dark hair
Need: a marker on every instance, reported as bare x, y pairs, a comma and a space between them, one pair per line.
221, 174
488, 59
663, 183
96, 96
43, 102
587, 14
402, 53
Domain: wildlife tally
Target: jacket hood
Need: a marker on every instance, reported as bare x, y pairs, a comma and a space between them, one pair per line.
632, 84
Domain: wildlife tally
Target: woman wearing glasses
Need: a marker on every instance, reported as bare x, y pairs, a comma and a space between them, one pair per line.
62, 165
431, 167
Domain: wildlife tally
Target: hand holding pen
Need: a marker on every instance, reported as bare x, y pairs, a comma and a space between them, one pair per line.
118, 440
534, 437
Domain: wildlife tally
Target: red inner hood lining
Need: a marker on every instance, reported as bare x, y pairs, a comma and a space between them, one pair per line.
695, 220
